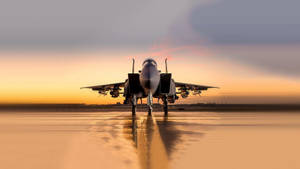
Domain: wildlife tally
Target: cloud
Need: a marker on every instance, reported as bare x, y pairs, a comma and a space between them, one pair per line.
264, 34
69, 24
248, 22
134, 24
274, 59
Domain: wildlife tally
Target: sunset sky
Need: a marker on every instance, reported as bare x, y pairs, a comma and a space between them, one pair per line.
250, 49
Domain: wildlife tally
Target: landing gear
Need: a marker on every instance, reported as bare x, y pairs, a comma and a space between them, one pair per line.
165, 105
149, 103
149, 110
133, 105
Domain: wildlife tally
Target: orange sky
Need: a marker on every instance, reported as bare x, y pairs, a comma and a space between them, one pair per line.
57, 78
248, 48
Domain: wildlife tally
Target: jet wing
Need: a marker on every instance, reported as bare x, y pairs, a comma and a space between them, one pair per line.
105, 87
194, 87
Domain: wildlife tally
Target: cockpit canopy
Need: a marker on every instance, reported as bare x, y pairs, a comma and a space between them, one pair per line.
150, 61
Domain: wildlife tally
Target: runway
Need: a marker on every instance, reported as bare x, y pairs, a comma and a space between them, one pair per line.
76, 140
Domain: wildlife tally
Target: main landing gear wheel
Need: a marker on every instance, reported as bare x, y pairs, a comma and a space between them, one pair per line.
165, 106
133, 105
133, 109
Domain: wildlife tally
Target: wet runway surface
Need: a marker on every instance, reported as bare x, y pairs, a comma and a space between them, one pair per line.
71, 140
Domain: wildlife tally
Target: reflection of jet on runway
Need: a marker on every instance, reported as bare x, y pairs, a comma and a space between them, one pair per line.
150, 82
155, 140
151, 149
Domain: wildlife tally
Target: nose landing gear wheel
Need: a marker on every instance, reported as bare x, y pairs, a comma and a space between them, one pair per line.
149, 110
149, 103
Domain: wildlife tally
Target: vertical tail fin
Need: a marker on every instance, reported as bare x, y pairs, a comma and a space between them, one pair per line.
166, 64
133, 65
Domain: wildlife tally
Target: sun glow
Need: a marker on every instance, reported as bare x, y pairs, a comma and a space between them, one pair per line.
57, 77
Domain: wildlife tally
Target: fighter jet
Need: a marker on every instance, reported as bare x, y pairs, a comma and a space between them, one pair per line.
150, 83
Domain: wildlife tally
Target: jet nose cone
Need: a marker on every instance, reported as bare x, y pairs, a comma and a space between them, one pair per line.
149, 78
